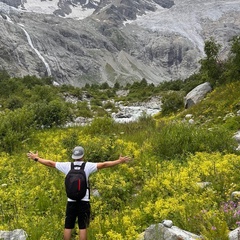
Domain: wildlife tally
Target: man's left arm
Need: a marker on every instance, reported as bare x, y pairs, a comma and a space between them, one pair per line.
35, 157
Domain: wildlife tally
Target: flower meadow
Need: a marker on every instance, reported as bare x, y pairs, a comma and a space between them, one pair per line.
132, 196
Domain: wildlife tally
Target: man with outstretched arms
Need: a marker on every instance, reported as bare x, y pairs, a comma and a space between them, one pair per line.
77, 209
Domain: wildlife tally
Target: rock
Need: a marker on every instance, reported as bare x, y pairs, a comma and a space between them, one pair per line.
237, 136
234, 235
203, 184
18, 234
197, 94
161, 232
235, 196
167, 223
188, 116
122, 93
191, 121
123, 115
229, 115
95, 193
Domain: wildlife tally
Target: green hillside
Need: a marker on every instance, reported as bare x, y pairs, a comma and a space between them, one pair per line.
170, 157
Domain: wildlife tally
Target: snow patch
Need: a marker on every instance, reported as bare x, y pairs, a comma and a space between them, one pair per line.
46, 7
49, 6
80, 13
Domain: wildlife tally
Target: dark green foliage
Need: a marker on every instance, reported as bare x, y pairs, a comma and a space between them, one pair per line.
15, 128
14, 102
109, 105
172, 102
104, 86
192, 82
9, 87
96, 102
71, 90
116, 85
4, 75
83, 110
54, 113
211, 67
139, 91
32, 81
171, 85
232, 67
44, 93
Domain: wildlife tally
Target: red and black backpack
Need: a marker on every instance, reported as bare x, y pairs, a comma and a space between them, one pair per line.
76, 183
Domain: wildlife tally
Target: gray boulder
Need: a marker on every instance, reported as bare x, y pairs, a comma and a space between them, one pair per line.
237, 138
197, 94
234, 235
17, 234
165, 231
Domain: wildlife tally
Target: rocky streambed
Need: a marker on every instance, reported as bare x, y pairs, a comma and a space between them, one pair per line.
133, 112
125, 113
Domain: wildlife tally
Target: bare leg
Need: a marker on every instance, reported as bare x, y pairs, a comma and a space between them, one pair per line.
82, 234
67, 234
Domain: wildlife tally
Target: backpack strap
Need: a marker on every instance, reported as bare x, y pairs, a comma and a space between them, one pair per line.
88, 184
83, 165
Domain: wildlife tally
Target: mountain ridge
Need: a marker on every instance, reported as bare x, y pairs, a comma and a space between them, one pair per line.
120, 41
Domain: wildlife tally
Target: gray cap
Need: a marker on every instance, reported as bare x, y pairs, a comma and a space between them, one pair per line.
78, 152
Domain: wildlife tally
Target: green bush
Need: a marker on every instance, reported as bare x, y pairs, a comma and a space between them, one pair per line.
96, 102
83, 110
172, 102
15, 129
54, 113
14, 102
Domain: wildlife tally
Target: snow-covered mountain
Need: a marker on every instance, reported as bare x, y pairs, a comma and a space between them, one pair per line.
65, 8
86, 41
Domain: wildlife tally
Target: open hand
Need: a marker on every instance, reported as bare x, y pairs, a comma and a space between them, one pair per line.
32, 155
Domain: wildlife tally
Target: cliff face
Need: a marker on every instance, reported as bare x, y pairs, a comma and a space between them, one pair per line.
79, 42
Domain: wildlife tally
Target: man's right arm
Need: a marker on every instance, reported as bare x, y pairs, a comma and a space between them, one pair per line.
35, 157
107, 164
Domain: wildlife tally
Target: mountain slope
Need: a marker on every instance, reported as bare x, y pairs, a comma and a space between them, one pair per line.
79, 42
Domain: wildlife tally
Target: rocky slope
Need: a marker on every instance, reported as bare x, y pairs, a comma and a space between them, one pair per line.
80, 41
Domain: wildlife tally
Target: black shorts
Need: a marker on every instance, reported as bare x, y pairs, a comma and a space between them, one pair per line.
77, 210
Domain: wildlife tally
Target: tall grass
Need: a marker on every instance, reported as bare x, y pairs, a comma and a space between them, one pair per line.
178, 139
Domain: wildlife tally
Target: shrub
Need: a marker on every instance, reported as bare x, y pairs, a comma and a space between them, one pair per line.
172, 102
54, 113
83, 110
15, 128
14, 102
96, 102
